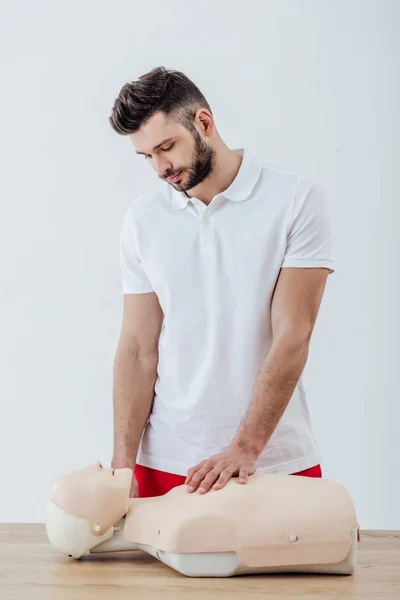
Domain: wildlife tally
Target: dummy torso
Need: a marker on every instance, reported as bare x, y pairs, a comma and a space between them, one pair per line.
272, 519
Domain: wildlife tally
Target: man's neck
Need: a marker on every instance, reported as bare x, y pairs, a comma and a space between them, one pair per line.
227, 165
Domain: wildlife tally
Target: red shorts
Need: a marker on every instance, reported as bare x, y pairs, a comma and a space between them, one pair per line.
152, 482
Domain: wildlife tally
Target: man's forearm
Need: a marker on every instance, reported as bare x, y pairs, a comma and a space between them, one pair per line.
274, 387
134, 380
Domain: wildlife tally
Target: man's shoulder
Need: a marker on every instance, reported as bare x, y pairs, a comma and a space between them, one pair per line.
149, 200
281, 176
281, 184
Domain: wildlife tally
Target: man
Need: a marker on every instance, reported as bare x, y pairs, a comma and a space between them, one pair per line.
224, 266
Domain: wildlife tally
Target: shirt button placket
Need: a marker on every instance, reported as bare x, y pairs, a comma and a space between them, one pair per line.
207, 232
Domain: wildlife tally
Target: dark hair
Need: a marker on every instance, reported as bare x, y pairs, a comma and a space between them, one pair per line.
166, 90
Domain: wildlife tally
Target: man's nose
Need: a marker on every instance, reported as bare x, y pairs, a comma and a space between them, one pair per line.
162, 167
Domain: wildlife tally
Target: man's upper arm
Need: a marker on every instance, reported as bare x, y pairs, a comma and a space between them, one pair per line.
134, 277
310, 236
296, 302
142, 314
141, 323
305, 267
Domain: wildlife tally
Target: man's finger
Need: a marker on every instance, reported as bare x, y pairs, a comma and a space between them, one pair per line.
202, 474
223, 479
210, 478
192, 471
243, 475
198, 477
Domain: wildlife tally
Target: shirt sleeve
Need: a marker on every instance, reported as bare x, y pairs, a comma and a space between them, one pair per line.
310, 240
134, 278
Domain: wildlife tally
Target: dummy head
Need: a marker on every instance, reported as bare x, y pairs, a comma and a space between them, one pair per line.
84, 506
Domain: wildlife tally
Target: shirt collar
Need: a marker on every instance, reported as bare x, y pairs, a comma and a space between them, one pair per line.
240, 188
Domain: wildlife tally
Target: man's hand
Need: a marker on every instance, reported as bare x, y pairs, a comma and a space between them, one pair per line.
216, 471
134, 492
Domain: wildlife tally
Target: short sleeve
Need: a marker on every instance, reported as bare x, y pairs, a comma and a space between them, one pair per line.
134, 278
310, 240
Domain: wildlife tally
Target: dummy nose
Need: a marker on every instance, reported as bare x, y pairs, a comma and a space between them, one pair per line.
94, 466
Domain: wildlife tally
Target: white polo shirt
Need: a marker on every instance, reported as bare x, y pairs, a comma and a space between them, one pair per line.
214, 269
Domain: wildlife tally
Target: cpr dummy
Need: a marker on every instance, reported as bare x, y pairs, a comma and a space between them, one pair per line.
273, 523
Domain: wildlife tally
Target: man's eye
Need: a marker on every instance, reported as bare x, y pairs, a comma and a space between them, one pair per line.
163, 149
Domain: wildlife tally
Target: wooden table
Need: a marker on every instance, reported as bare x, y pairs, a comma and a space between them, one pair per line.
31, 568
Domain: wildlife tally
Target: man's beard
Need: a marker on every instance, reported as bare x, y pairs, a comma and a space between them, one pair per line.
202, 165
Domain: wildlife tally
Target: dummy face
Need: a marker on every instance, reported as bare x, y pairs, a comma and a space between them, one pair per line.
85, 505
95, 477
93, 493
172, 150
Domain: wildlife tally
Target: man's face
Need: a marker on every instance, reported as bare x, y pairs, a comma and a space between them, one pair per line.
183, 153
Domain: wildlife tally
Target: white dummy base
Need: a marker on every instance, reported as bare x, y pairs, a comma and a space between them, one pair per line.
225, 564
